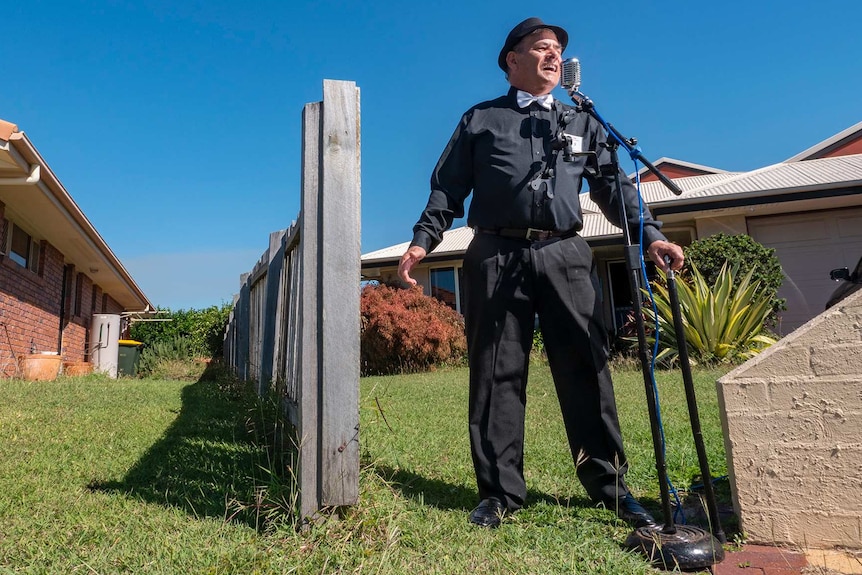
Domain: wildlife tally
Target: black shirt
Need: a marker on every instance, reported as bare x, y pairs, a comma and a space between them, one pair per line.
499, 152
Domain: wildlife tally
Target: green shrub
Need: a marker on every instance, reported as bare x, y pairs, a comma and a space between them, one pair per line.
710, 255
173, 358
203, 328
537, 351
403, 330
723, 320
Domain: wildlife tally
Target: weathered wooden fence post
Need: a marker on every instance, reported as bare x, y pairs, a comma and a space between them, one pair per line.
242, 310
296, 319
308, 403
272, 316
340, 257
330, 310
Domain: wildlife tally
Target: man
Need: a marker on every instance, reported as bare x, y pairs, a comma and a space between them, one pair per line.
527, 258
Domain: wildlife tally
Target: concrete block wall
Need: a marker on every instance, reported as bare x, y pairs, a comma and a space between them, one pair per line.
792, 420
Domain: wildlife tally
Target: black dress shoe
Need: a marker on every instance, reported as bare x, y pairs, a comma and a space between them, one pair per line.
489, 513
632, 512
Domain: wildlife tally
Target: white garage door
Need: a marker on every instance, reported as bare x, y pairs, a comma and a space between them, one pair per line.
809, 246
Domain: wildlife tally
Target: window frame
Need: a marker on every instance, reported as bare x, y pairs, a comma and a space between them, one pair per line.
456, 275
31, 260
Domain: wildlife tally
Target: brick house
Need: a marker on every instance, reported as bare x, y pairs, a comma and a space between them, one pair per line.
808, 208
56, 271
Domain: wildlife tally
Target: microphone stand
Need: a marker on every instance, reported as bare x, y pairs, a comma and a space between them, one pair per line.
671, 546
691, 399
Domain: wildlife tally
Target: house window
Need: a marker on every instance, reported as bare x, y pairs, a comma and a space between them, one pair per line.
445, 286
22, 249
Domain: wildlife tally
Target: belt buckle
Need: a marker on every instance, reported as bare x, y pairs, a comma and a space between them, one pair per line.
536, 235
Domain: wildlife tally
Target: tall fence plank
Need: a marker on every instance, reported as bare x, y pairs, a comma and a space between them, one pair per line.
243, 333
309, 376
271, 337
340, 250
295, 322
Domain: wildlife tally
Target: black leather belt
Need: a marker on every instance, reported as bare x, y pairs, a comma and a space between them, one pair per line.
528, 234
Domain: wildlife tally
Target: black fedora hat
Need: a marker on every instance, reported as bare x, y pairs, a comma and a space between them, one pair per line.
522, 30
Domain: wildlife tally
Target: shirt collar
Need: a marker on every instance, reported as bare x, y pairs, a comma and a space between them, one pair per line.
525, 99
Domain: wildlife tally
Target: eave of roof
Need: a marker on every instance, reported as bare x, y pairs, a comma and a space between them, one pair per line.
113, 278
681, 163
827, 143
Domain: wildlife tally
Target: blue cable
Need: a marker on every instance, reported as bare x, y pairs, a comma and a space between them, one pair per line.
678, 515
697, 486
633, 153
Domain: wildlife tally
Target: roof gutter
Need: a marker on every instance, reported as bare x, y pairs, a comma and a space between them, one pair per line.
41, 175
32, 178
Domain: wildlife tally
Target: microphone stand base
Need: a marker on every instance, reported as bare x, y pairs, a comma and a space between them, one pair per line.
689, 548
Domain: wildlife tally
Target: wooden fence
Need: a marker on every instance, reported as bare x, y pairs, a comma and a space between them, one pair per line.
294, 327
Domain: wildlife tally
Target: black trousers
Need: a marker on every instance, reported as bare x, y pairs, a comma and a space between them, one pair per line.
508, 281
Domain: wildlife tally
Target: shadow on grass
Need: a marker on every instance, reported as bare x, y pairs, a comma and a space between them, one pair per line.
208, 462
449, 496
452, 497
433, 492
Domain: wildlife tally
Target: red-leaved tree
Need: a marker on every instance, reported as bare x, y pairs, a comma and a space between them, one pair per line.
403, 330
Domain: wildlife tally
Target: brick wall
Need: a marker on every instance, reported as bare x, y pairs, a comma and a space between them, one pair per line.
792, 420
30, 305
79, 314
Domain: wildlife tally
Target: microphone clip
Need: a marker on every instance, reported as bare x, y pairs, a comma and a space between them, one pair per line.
582, 102
569, 144
566, 143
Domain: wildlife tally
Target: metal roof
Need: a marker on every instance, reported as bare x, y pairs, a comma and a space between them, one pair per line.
597, 225
655, 191
774, 180
454, 241
781, 178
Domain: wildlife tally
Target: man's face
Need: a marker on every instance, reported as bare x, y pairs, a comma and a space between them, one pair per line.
534, 64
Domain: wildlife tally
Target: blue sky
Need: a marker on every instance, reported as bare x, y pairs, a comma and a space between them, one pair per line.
176, 128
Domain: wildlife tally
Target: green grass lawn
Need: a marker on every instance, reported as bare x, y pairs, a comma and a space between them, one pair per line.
150, 476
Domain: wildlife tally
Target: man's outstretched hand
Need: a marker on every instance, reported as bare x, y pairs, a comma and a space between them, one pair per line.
411, 257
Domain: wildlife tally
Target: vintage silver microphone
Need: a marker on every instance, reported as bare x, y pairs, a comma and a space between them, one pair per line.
570, 78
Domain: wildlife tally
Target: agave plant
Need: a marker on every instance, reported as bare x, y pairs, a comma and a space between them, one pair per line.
723, 322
